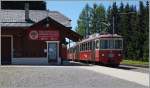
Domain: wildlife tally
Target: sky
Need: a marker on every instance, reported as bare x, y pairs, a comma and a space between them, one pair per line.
72, 8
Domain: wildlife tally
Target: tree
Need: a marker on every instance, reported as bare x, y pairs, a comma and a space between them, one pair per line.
83, 27
133, 42
146, 42
101, 18
120, 20
94, 19
112, 12
142, 28
108, 19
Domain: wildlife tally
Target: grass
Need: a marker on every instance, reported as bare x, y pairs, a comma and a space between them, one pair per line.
133, 62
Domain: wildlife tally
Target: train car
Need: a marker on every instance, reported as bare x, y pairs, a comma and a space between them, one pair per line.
100, 48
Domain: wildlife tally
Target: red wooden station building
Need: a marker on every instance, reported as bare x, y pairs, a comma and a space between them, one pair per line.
34, 33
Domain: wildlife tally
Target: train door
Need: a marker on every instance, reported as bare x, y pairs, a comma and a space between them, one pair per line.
93, 51
97, 50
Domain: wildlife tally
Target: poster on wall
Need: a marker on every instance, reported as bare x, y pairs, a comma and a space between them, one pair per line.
44, 35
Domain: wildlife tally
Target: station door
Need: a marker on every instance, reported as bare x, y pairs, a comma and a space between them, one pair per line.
6, 50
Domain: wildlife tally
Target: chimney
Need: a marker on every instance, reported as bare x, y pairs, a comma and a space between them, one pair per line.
27, 12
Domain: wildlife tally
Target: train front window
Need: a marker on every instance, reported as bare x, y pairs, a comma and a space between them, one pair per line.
111, 44
103, 44
118, 44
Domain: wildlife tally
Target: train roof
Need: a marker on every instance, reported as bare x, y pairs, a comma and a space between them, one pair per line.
97, 36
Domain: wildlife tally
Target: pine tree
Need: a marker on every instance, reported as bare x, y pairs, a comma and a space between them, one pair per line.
146, 42
83, 27
94, 19
142, 29
108, 19
120, 19
133, 47
115, 15
101, 19
126, 30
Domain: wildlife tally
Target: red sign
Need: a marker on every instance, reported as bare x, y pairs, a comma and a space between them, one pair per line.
44, 35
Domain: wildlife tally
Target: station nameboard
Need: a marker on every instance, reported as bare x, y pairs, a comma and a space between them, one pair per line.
44, 35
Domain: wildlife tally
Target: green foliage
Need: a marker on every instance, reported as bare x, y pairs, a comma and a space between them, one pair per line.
98, 16
134, 62
84, 21
134, 27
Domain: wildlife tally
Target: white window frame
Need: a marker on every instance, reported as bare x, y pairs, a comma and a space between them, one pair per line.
114, 43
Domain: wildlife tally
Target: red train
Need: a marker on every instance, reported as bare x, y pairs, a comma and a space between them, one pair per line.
105, 48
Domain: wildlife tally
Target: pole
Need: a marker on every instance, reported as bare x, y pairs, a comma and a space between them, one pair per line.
69, 46
113, 25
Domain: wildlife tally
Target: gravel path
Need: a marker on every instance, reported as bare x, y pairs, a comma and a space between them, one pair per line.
58, 77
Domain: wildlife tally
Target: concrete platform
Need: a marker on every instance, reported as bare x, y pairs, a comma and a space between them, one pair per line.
136, 77
30, 61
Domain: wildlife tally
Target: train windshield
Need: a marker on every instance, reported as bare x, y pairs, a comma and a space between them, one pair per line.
103, 44
111, 44
118, 44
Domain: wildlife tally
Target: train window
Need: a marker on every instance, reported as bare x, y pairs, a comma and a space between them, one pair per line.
111, 44
83, 47
70, 50
118, 44
80, 47
97, 44
104, 44
93, 47
87, 47
90, 45
74, 49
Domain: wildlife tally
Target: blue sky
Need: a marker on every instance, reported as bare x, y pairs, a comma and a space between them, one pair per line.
72, 9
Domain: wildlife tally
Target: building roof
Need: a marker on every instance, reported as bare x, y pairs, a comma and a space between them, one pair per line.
16, 18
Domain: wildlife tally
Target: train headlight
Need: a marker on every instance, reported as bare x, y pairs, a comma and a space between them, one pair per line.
119, 54
103, 55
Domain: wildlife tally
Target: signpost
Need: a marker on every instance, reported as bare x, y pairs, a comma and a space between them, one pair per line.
44, 35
